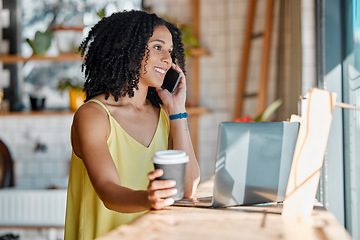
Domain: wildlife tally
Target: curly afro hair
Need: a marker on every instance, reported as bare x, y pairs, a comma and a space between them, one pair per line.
114, 50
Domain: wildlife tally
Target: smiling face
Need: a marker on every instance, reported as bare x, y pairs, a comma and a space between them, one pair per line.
159, 60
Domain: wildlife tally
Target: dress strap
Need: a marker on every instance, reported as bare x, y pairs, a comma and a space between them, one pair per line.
101, 104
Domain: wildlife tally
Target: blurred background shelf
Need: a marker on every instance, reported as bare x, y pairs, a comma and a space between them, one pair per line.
196, 52
190, 110
196, 110
10, 59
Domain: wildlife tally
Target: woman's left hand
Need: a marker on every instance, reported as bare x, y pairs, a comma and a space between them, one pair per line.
174, 103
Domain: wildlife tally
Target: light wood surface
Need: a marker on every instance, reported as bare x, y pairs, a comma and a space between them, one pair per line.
195, 62
265, 58
245, 59
196, 53
264, 75
250, 222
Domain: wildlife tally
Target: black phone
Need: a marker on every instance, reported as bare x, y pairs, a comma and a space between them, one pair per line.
171, 80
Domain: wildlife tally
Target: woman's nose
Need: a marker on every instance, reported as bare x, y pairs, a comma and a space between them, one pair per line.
166, 57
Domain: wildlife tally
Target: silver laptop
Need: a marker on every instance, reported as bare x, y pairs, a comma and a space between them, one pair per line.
253, 164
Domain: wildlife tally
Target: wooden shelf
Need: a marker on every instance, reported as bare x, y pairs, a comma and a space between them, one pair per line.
36, 113
197, 52
197, 110
190, 110
73, 57
10, 59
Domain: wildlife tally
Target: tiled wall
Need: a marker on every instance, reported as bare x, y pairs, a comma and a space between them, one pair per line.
40, 147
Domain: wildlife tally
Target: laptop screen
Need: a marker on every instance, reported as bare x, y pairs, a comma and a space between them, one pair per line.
253, 162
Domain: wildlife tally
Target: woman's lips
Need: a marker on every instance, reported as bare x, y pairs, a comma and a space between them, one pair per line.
161, 71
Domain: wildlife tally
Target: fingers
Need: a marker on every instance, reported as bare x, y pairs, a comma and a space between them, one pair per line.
162, 203
178, 69
161, 184
163, 193
160, 191
163, 94
159, 199
155, 174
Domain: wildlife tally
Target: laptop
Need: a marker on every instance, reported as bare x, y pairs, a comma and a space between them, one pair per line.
253, 164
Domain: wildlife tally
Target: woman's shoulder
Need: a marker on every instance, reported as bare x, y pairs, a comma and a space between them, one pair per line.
90, 112
91, 121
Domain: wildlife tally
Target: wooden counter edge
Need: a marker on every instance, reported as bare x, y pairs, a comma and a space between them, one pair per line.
323, 224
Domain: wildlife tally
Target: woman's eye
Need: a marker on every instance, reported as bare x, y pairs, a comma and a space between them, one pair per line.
157, 47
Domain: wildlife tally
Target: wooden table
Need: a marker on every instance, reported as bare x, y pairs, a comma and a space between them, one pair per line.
250, 222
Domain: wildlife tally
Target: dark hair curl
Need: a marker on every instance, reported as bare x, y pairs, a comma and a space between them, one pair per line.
114, 50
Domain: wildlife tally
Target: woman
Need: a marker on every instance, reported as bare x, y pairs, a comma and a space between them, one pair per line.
124, 121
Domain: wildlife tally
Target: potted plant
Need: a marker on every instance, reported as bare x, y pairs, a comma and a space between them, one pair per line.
75, 89
188, 37
41, 42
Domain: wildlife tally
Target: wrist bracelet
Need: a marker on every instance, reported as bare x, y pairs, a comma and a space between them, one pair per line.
179, 116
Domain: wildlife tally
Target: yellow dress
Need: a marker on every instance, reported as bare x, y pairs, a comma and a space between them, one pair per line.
86, 215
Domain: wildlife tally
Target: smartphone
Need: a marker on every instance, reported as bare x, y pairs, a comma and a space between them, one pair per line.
171, 80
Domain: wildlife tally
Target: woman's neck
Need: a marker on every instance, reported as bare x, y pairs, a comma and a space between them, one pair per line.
138, 101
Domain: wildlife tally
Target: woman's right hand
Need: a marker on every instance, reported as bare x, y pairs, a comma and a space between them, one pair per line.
159, 192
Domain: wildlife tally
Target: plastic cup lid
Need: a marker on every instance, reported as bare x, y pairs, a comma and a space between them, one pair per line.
170, 157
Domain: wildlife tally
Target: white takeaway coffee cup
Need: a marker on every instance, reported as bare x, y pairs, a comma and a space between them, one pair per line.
173, 163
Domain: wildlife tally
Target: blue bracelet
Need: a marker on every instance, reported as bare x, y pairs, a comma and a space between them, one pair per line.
179, 116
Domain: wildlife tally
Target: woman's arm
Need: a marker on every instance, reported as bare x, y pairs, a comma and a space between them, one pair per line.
179, 138
90, 132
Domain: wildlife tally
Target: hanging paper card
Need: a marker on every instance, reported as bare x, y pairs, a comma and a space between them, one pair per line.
309, 154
